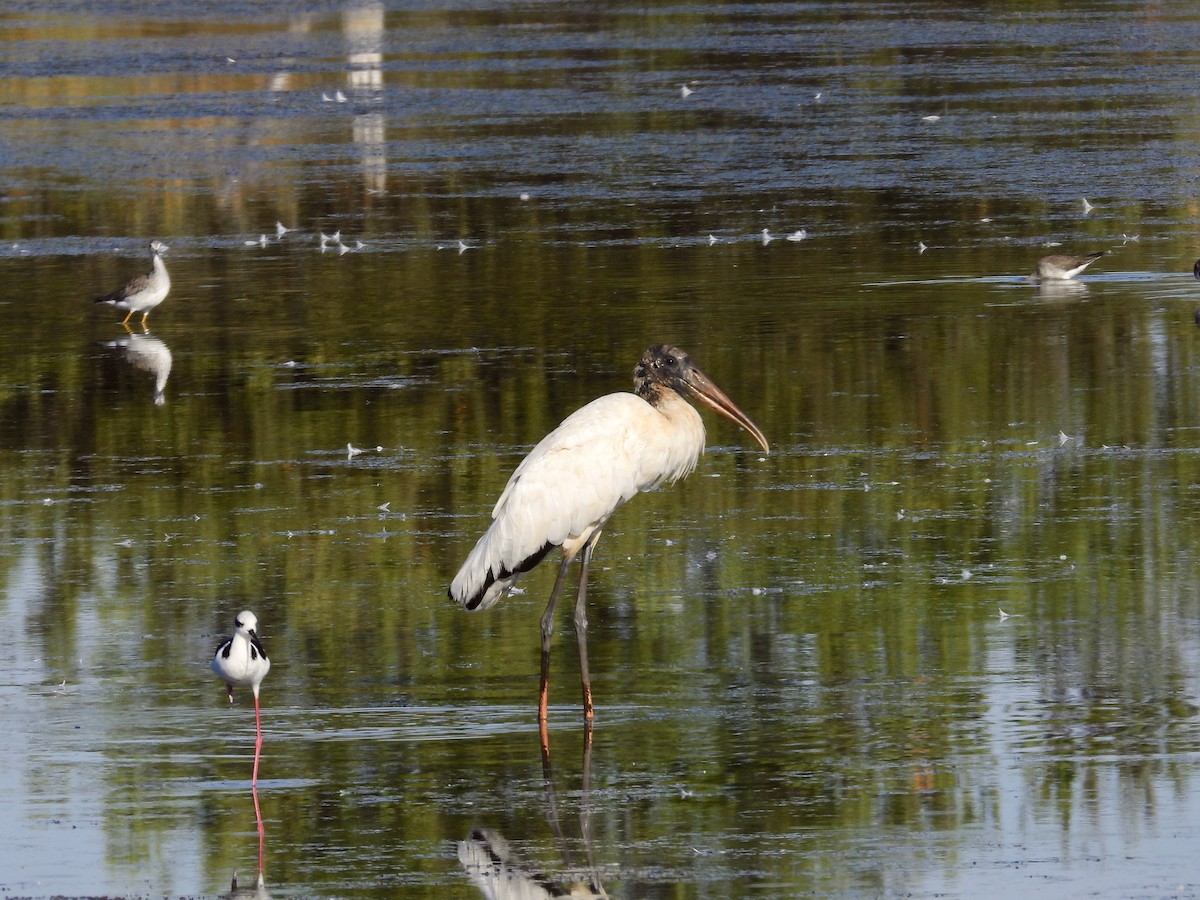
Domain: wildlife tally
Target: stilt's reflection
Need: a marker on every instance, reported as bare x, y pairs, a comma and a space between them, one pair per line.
148, 353
262, 832
500, 875
259, 888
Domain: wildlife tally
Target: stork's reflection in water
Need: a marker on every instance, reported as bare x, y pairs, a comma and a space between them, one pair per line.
501, 875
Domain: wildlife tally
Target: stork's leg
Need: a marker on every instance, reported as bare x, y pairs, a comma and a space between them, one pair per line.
581, 625
547, 631
585, 809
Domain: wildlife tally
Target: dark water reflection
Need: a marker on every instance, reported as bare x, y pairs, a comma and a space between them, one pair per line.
804, 682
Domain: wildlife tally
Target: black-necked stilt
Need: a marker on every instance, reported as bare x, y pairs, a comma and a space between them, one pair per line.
241, 661
1063, 268
146, 291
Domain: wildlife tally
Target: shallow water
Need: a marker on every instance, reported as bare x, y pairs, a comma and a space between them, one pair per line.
804, 680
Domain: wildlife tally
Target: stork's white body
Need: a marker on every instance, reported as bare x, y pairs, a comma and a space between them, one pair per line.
577, 476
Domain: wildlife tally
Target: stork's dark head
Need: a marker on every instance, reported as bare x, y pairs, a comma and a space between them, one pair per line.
662, 366
665, 368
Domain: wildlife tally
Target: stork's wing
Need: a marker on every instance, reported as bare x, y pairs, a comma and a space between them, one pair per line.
564, 490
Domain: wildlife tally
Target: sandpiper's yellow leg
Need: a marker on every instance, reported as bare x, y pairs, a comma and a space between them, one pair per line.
125, 321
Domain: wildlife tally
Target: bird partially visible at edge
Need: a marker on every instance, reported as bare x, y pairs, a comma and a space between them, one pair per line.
564, 491
145, 292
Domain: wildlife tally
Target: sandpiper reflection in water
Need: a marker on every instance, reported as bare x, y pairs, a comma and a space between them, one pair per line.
148, 354
1061, 290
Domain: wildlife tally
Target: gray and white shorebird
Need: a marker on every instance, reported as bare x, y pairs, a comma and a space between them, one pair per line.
146, 291
241, 661
1063, 268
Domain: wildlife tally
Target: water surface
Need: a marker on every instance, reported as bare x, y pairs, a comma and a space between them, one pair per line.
804, 680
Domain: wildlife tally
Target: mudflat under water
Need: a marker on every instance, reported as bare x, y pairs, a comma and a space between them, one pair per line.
944, 640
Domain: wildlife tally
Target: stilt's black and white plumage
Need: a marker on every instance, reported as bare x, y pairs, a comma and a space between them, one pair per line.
1063, 268
565, 490
241, 661
146, 291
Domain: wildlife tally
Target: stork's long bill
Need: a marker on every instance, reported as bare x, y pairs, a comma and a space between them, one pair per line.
702, 387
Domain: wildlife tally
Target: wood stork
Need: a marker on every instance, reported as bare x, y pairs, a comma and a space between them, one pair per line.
565, 490
241, 661
1063, 268
145, 292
